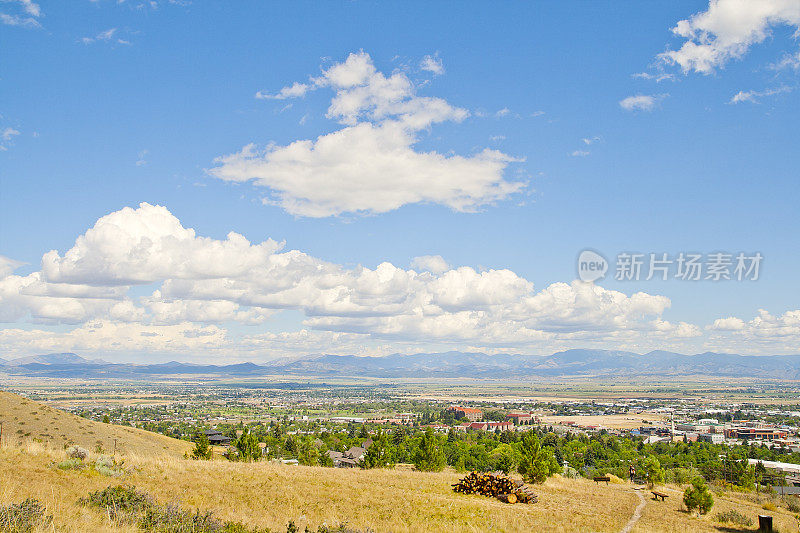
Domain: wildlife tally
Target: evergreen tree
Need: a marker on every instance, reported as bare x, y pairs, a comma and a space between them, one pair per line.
451, 435
202, 448
325, 459
398, 436
379, 454
653, 472
537, 463
247, 447
429, 456
697, 497
308, 454
290, 446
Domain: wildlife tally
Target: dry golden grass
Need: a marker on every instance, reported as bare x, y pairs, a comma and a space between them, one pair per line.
671, 516
25, 419
269, 494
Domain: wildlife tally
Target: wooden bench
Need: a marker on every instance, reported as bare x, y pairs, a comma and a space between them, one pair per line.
598, 479
657, 495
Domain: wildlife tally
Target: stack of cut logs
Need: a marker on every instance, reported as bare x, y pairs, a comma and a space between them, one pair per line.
495, 484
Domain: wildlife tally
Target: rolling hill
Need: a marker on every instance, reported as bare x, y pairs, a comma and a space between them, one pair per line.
23, 419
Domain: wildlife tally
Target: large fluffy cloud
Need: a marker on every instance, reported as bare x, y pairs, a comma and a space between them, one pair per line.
727, 30
199, 290
371, 165
764, 328
134, 246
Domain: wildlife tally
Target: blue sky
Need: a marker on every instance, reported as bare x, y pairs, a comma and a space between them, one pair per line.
502, 139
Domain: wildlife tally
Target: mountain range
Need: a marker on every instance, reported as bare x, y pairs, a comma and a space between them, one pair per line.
588, 363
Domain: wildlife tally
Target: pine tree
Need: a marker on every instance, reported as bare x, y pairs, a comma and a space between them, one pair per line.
537, 463
379, 454
653, 472
429, 456
697, 497
247, 447
202, 449
309, 454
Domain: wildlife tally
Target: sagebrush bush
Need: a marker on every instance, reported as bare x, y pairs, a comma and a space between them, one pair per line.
734, 517
23, 517
324, 528
71, 464
127, 505
120, 502
107, 466
76, 452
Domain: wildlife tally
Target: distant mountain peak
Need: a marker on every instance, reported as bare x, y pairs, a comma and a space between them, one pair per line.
576, 362
53, 359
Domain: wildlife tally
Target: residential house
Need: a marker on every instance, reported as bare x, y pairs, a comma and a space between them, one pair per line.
216, 438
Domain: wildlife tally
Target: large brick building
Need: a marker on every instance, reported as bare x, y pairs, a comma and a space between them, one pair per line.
755, 433
466, 412
521, 417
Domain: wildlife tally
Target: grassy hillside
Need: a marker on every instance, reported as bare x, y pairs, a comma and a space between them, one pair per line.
269, 495
25, 419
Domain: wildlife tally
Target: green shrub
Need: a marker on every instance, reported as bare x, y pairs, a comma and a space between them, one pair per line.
23, 517
681, 476
71, 464
697, 496
202, 448
121, 502
107, 466
127, 505
734, 517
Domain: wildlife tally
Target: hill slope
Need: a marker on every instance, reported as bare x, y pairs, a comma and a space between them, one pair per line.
269, 495
24, 419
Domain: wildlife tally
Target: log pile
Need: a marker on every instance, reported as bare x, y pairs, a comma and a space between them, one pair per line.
495, 484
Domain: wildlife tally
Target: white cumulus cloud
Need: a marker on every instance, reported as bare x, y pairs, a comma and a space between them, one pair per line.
430, 263
727, 30
371, 164
202, 284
